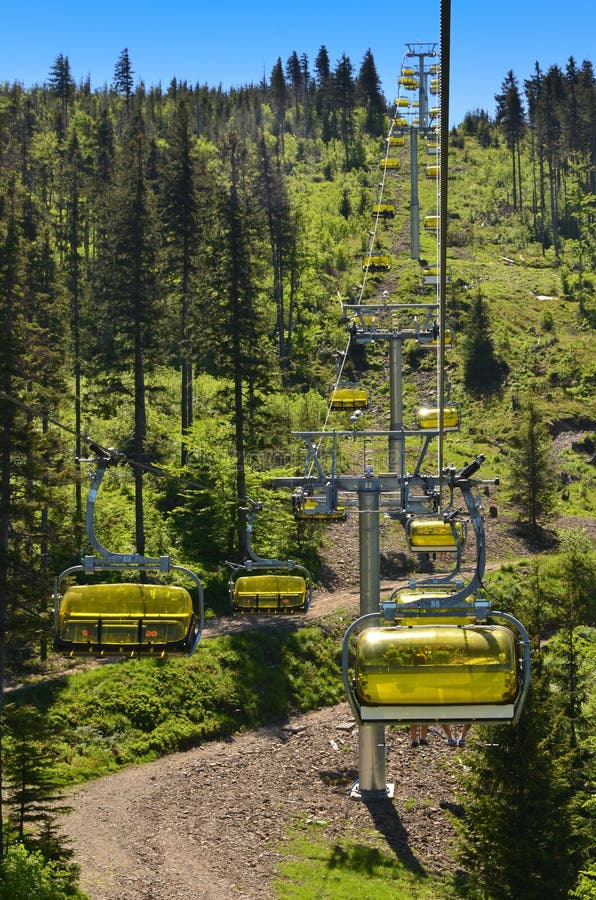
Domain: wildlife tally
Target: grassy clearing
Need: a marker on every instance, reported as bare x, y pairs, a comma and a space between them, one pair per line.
348, 869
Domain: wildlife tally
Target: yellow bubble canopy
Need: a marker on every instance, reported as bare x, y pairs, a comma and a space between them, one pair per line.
433, 665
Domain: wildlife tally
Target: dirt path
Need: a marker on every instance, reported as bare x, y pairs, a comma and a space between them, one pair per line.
211, 823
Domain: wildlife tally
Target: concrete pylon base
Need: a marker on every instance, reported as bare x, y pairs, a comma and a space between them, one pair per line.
383, 794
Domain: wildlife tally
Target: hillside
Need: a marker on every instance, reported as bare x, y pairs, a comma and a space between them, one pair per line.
176, 266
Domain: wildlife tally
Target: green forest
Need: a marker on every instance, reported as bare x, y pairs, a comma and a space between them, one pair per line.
172, 268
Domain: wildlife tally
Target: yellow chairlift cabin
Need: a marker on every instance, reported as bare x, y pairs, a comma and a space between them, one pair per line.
429, 337
348, 396
437, 673
409, 83
362, 320
318, 500
315, 508
434, 112
439, 657
262, 586
430, 277
434, 86
390, 162
376, 262
431, 222
432, 345
426, 535
408, 72
427, 418
400, 122
396, 140
434, 69
269, 594
383, 210
403, 102
432, 171
438, 652
319, 504
416, 103
126, 618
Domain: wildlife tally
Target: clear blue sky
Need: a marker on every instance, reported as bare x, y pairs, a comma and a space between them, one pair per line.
235, 43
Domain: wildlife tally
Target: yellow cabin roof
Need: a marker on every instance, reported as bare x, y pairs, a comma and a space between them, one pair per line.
125, 600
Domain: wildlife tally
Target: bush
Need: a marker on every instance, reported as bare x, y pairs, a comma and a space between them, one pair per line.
27, 876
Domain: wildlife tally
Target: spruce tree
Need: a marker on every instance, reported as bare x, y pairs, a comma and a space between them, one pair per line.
531, 470
126, 320
123, 81
279, 94
371, 97
29, 755
294, 78
282, 242
510, 115
186, 222
345, 94
324, 96
62, 84
240, 346
482, 370
516, 786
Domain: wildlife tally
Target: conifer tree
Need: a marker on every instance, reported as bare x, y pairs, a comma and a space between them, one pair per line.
126, 321
62, 84
531, 469
482, 370
514, 791
9, 286
239, 349
279, 93
186, 225
551, 99
510, 115
307, 86
324, 96
27, 767
371, 97
123, 81
345, 92
294, 78
533, 90
282, 241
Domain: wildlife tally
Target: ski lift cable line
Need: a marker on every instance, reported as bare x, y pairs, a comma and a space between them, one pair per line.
102, 452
